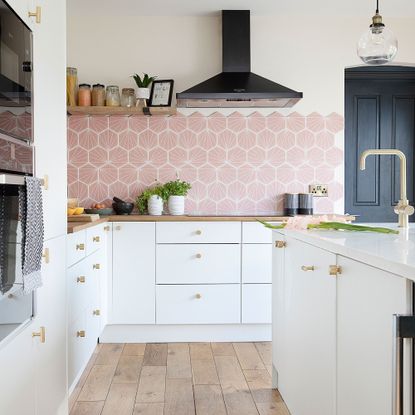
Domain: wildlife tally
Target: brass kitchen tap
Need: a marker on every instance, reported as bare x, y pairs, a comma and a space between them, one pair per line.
403, 209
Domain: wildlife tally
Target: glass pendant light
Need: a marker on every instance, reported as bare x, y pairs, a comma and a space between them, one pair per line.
378, 45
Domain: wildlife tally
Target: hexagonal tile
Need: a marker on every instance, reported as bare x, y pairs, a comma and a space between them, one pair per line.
295, 123
315, 156
266, 175
256, 191
285, 174
98, 123
285, 140
118, 123
217, 156
138, 124
296, 187
147, 175
246, 140
72, 139
295, 156
187, 139
98, 192
128, 139
196, 123
147, 139
227, 139
73, 176
256, 155
334, 156
305, 175
188, 173
246, 174
78, 123
118, 189
88, 174
197, 156
305, 139
108, 139
335, 191
325, 139
198, 191
78, 155
237, 191
323, 205
236, 156
177, 156
157, 156
83, 192
226, 175
177, 123
207, 205
276, 122
168, 140
73, 190
236, 122
246, 205
206, 174
267, 205
315, 122
206, 140
216, 122
118, 155
324, 174
266, 139
157, 124
256, 122
227, 206
108, 174
138, 156
217, 191
335, 123
128, 174
276, 156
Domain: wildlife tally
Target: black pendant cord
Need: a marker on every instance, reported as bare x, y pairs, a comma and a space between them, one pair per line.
377, 6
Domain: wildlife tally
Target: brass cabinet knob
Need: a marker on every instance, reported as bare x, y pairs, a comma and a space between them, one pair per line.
198, 296
80, 247
96, 266
199, 256
37, 14
118, 228
107, 228
96, 239
41, 334
81, 279
46, 255
335, 270
308, 268
45, 181
96, 312
280, 244
198, 232
80, 333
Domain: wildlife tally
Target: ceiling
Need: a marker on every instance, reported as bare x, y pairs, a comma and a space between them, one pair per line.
388, 8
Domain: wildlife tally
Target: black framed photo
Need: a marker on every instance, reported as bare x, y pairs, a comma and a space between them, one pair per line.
161, 93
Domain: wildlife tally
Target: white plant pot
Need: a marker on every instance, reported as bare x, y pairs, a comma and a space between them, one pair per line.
143, 93
176, 205
155, 205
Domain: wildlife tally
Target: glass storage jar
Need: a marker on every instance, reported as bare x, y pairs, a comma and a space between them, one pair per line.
113, 96
84, 95
71, 86
98, 95
128, 97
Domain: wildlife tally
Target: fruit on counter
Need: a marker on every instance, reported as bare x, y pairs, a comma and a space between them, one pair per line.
98, 206
71, 211
75, 211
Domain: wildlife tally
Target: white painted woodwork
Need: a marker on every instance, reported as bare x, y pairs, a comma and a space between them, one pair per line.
257, 263
367, 298
256, 303
255, 233
307, 365
77, 350
198, 232
95, 238
76, 247
198, 304
198, 263
133, 273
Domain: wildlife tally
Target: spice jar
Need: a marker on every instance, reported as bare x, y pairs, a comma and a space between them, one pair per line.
128, 97
113, 96
98, 95
71, 86
84, 95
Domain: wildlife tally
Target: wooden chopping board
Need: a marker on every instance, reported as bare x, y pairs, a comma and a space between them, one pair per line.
83, 218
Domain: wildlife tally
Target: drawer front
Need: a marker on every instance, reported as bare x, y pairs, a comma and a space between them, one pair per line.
256, 303
95, 238
256, 233
76, 247
257, 263
198, 264
198, 304
198, 232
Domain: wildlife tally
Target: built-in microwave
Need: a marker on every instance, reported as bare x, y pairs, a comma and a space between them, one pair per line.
15, 76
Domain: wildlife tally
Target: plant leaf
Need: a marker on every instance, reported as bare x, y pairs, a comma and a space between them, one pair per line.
270, 226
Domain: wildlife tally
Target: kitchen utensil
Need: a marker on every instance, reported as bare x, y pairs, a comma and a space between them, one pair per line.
123, 208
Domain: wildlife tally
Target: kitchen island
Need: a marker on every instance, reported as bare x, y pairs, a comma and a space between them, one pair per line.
334, 298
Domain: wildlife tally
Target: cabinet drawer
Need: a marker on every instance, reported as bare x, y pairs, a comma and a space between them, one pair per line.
95, 238
198, 304
256, 233
76, 247
257, 263
256, 303
198, 232
198, 264
77, 348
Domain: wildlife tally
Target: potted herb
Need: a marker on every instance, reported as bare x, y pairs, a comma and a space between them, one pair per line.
143, 84
151, 201
176, 191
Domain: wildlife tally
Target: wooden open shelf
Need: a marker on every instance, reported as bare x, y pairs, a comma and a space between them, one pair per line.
161, 111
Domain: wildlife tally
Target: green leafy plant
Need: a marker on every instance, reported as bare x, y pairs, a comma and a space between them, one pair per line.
145, 81
177, 188
141, 201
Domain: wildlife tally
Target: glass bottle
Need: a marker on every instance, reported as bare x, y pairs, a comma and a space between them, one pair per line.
113, 96
98, 95
84, 95
128, 97
71, 86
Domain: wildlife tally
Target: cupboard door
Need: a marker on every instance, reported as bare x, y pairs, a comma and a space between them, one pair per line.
367, 299
256, 263
307, 372
256, 303
133, 276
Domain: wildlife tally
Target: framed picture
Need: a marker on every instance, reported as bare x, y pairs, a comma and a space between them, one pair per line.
161, 93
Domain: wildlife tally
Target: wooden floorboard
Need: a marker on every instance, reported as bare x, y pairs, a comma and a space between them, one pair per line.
178, 379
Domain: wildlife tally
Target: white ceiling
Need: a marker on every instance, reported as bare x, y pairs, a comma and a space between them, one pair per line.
389, 8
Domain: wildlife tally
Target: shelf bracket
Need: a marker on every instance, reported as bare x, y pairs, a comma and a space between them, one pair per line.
146, 111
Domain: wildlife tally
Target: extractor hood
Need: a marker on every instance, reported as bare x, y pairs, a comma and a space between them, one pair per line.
236, 85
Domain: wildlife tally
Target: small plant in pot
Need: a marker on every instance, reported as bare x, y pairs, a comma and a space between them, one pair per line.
176, 191
143, 85
151, 201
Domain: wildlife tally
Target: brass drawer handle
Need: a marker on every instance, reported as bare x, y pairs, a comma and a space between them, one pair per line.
335, 270
106, 228
199, 256
96, 266
280, 244
96, 312
198, 232
96, 239
80, 333
41, 334
37, 14
46, 255
80, 247
81, 279
198, 296
118, 228
308, 268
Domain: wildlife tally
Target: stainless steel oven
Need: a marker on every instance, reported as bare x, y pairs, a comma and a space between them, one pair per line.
15, 75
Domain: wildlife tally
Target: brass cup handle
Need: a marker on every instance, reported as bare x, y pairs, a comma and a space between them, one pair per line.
198, 296
280, 244
334, 270
308, 268
80, 333
96, 313
41, 334
107, 228
80, 247
46, 255
81, 280
37, 14
199, 256
96, 266
198, 232
118, 228
96, 239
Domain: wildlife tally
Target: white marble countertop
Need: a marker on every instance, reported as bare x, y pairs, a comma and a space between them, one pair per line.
390, 252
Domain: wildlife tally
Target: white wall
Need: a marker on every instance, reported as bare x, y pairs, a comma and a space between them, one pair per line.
304, 53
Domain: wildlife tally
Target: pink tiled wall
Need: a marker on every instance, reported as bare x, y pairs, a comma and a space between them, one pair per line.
235, 163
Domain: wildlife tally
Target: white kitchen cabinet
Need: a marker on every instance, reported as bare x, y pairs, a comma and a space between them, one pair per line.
255, 233
76, 247
198, 263
133, 273
256, 303
307, 341
198, 304
257, 263
367, 298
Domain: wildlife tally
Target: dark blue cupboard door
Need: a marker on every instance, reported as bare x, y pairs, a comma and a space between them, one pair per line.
379, 113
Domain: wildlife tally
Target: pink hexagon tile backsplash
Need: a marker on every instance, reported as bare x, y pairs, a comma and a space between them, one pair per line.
235, 163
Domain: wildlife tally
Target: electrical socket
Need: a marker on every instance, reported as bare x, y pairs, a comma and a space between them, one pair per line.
319, 190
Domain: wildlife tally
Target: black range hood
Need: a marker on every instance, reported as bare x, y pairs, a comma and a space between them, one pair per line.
237, 86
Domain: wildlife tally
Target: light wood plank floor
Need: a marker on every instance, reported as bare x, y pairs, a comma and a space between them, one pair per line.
178, 379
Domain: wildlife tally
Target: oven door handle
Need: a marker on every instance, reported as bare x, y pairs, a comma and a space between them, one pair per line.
12, 179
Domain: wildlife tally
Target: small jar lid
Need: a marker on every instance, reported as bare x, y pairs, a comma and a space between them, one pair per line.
128, 89
112, 86
98, 86
84, 85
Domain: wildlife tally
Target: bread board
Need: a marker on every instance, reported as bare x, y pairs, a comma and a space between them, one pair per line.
83, 218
